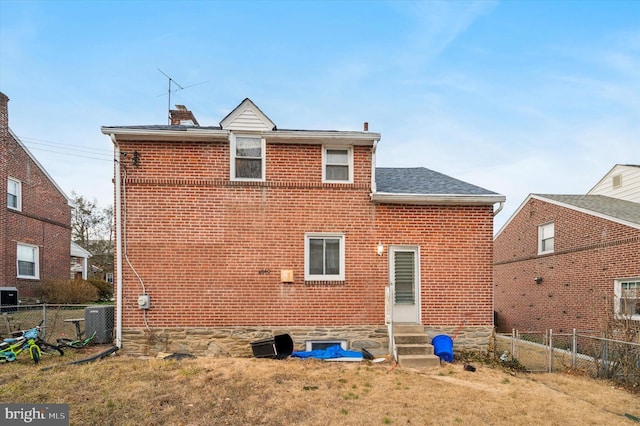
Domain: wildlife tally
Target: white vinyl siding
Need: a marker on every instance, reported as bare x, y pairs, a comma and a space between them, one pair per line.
627, 293
546, 238
27, 261
247, 158
337, 164
622, 182
14, 194
324, 257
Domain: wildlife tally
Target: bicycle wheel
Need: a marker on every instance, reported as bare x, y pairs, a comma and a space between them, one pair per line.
49, 348
34, 350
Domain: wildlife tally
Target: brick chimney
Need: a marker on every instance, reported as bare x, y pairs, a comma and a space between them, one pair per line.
182, 116
4, 114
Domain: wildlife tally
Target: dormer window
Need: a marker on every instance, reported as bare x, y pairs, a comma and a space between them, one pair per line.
247, 158
337, 164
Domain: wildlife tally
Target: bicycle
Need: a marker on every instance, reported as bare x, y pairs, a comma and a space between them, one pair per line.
29, 340
75, 344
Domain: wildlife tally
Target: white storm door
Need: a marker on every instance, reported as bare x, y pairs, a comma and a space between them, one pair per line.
405, 282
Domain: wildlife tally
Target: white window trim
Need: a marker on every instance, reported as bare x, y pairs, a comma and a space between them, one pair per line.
36, 271
18, 195
540, 230
310, 277
232, 157
324, 163
617, 287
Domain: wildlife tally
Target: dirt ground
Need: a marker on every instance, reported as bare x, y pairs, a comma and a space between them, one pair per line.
122, 390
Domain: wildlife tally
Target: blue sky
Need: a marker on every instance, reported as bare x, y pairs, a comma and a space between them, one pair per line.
518, 97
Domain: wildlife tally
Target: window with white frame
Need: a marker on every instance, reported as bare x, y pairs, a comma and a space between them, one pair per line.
324, 257
27, 257
337, 164
247, 157
627, 293
546, 238
14, 194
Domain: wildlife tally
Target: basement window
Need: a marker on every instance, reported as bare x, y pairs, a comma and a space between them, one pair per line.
312, 345
627, 293
546, 238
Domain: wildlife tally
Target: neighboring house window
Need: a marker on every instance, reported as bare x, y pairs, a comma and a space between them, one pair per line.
109, 277
28, 261
545, 238
324, 257
247, 158
337, 164
14, 194
627, 293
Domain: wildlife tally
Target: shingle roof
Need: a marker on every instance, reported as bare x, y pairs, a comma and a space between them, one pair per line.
600, 204
420, 180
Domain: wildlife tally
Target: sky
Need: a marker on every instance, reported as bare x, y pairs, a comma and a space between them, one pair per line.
516, 96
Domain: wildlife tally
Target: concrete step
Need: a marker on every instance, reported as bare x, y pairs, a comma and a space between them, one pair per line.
419, 361
414, 338
405, 328
414, 349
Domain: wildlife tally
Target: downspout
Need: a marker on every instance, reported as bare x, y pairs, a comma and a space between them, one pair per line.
118, 212
373, 167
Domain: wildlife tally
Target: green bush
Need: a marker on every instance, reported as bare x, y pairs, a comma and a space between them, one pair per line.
105, 290
73, 291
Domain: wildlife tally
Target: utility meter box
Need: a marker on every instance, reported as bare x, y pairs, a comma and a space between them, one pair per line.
99, 319
8, 299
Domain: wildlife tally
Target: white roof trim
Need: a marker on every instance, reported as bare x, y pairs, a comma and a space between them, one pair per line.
322, 136
436, 199
42, 169
195, 134
78, 251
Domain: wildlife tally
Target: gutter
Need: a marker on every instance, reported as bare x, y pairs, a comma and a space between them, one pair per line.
116, 155
436, 199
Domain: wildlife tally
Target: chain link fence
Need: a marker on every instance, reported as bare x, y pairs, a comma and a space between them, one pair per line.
579, 350
60, 321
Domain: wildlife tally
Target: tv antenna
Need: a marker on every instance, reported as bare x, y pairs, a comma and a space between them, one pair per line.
172, 81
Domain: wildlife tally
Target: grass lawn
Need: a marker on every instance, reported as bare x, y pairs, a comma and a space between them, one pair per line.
122, 390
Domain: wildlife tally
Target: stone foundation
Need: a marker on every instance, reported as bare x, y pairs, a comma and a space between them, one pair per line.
236, 341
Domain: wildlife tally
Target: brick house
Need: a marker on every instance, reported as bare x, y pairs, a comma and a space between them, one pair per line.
571, 261
242, 230
36, 218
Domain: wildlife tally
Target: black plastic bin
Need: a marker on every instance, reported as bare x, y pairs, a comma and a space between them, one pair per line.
278, 347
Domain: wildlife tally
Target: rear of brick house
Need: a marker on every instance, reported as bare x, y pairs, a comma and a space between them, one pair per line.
35, 218
243, 230
572, 261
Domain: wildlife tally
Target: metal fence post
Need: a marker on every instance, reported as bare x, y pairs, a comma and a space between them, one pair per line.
550, 350
574, 349
513, 342
44, 321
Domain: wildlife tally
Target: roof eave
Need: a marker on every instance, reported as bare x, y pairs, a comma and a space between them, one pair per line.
436, 199
194, 134
322, 136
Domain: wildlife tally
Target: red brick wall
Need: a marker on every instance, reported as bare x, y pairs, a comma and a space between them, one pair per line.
577, 285
210, 251
45, 220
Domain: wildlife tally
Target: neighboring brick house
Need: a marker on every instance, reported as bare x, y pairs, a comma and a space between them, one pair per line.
242, 230
35, 225
571, 261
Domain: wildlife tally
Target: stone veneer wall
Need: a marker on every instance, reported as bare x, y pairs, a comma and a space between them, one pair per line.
236, 341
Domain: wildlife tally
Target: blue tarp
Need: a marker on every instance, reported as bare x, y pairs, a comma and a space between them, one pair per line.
331, 352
